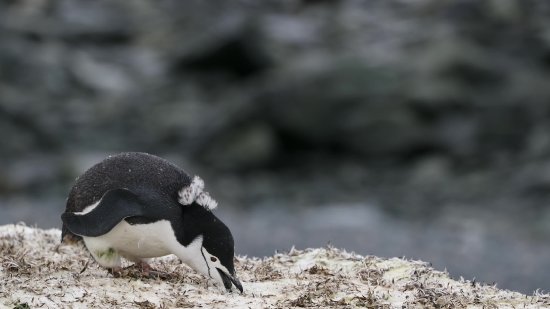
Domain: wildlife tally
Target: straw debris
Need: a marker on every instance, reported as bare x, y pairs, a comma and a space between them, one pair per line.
37, 271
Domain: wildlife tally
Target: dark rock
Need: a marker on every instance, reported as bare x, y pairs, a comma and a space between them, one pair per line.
252, 146
82, 22
236, 53
347, 105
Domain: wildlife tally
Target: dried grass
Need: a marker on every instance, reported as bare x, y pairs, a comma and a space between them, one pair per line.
36, 271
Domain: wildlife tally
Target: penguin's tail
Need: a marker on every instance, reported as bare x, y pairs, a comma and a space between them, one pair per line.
67, 237
114, 206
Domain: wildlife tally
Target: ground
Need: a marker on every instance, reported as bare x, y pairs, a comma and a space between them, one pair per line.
37, 271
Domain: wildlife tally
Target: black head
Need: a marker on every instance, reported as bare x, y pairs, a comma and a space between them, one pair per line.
218, 247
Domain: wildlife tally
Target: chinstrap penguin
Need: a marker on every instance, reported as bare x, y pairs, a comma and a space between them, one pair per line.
139, 206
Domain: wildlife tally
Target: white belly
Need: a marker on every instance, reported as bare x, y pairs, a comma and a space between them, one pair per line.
134, 242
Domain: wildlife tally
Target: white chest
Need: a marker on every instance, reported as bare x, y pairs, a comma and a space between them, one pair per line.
135, 241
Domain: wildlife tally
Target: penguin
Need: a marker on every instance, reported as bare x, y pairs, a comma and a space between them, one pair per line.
138, 206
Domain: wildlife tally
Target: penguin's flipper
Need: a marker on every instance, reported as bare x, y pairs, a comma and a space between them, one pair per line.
114, 206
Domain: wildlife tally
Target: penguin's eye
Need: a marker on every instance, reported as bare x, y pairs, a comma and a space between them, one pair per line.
213, 259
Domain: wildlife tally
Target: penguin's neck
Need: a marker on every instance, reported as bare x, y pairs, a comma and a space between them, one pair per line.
195, 221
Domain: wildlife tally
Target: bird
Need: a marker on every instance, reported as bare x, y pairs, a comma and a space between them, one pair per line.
138, 206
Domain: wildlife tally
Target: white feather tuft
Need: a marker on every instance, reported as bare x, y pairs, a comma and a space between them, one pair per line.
187, 195
194, 193
204, 199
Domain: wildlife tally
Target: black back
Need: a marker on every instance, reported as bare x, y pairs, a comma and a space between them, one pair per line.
155, 180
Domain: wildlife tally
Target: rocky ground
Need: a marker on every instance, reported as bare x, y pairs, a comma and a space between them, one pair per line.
37, 271
436, 112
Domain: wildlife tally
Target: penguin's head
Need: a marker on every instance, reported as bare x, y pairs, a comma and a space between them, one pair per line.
218, 252
213, 254
214, 239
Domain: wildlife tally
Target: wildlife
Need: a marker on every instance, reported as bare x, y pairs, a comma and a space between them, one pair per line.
138, 206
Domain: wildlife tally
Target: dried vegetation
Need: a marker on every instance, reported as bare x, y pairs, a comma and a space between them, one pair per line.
36, 271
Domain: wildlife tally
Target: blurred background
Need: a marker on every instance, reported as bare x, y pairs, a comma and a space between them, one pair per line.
417, 128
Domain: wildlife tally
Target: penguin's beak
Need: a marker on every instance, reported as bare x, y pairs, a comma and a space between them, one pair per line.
228, 281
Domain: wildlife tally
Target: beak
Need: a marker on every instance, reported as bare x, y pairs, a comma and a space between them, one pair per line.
229, 280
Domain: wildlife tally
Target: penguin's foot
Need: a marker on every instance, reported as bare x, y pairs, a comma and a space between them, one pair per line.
145, 270
115, 271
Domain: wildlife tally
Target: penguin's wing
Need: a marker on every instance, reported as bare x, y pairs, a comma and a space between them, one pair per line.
114, 206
